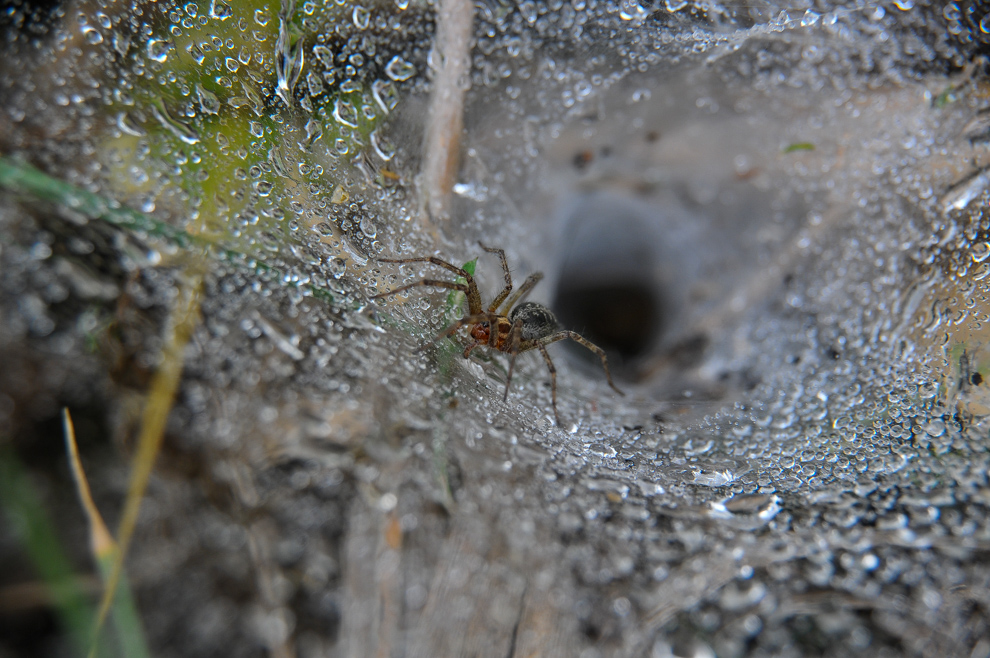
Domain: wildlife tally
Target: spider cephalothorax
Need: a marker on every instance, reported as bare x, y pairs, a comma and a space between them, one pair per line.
519, 327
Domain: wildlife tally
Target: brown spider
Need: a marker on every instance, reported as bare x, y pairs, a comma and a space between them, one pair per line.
522, 327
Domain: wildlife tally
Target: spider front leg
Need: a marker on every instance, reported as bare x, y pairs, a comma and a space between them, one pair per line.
505, 271
469, 287
578, 338
435, 283
523, 290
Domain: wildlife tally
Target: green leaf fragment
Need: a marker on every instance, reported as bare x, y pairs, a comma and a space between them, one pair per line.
799, 146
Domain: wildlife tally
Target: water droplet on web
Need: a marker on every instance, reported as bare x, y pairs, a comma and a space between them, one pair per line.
809, 18
337, 267
264, 188
314, 130
345, 112
361, 17
157, 50
92, 35
128, 126
631, 10
324, 55
399, 69
367, 227
904, 5
208, 101
385, 94
382, 145
177, 128
195, 52
221, 10
675, 5
713, 477
314, 84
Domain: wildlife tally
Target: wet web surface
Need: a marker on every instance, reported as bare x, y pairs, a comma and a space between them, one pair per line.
798, 196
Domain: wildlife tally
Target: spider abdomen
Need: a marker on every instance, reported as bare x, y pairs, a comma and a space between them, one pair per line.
537, 320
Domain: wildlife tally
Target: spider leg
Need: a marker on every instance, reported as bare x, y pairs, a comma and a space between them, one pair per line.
553, 381
524, 289
429, 259
578, 338
515, 336
470, 348
466, 320
450, 285
470, 288
508, 278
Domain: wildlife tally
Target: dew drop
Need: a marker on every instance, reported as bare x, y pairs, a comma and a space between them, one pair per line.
324, 54
399, 69
314, 130
128, 126
314, 84
177, 128
208, 101
632, 11
675, 5
368, 227
361, 17
382, 145
220, 10
157, 50
385, 95
337, 267
979, 252
195, 53
528, 10
345, 112
92, 35
122, 44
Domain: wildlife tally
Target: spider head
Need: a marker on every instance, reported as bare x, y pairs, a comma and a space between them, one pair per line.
481, 332
537, 320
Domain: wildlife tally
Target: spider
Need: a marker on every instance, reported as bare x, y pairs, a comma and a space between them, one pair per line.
519, 326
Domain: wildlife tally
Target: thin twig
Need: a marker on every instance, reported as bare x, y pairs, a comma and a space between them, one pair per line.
445, 120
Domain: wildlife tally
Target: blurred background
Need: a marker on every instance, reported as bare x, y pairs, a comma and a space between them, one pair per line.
772, 217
